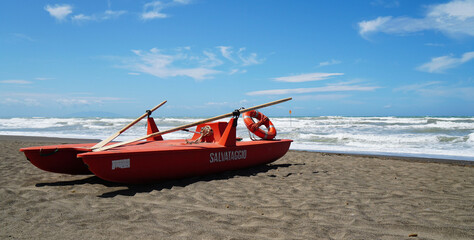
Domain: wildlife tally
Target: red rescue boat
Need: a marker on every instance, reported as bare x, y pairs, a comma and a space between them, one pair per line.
169, 159
63, 158
213, 148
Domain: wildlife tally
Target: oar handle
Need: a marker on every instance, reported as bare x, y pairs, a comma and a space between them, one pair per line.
109, 139
191, 125
142, 116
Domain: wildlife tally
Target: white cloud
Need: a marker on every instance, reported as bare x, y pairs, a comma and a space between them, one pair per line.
59, 11
308, 77
82, 18
440, 64
386, 3
453, 18
416, 87
465, 93
24, 101
22, 36
23, 82
240, 57
227, 104
217, 104
44, 78
372, 25
330, 88
182, 1
152, 15
9, 101
328, 63
182, 61
434, 44
15, 81
237, 71
250, 59
162, 65
322, 97
109, 14
46, 99
458, 9
75, 101
244, 101
399, 25
436, 89
72, 101
62, 11
211, 60
153, 10
227, 53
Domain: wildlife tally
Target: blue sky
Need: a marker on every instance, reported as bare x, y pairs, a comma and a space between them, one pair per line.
349, 58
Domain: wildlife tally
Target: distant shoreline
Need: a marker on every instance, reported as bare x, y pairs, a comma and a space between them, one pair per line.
380, 156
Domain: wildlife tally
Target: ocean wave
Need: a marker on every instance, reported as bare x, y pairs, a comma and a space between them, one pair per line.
444, 136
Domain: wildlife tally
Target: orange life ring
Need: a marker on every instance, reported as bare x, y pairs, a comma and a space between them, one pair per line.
255, 127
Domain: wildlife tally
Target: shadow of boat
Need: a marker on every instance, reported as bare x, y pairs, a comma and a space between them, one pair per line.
133, 189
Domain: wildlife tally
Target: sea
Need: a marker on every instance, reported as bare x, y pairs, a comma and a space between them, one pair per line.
428, 137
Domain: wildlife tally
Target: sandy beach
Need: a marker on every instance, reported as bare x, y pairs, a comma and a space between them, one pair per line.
304, 195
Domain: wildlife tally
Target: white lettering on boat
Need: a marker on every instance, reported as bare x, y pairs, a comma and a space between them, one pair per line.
122, 163
227, 156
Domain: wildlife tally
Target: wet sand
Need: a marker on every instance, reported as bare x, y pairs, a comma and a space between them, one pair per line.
304, 195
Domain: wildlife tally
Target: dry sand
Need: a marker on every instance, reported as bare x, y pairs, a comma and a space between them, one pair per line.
303, 195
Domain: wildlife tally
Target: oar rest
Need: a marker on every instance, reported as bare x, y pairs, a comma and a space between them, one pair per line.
152, 128
215, 135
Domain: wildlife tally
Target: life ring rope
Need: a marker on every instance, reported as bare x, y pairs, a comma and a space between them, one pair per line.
254, 127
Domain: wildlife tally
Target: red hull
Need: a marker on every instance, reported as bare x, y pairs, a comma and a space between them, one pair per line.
63, 158
158, 159
59, 158
170, 159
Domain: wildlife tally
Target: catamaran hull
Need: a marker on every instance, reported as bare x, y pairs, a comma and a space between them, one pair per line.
171, 159
59, 158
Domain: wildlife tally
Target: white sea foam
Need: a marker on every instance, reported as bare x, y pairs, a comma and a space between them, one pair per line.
445, 137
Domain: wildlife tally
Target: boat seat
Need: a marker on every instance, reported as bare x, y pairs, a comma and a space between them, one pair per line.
218, 129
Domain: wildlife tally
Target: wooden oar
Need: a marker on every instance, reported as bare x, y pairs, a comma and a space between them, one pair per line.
191, 125
109, 139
